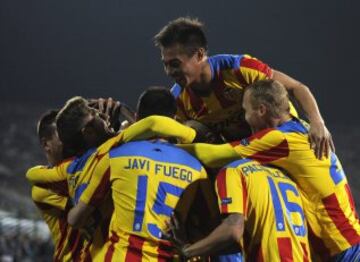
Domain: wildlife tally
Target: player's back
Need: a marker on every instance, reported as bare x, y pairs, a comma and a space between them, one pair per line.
275, 226
329, 205
147, 180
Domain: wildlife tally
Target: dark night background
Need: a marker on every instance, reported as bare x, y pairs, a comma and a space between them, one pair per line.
52, 50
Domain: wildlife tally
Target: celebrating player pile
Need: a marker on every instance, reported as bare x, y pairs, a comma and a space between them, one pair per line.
281, 191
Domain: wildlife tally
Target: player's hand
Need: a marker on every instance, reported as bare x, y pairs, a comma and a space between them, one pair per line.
320, 139
174, 235
109, 107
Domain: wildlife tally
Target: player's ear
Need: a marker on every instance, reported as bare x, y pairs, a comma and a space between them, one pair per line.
45, 144
88, 133
200, 53
262, 110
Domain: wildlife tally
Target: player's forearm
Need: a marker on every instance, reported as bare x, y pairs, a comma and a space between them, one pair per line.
302, 94
159, 126
308, 103
213, 156
79, 214
226, 234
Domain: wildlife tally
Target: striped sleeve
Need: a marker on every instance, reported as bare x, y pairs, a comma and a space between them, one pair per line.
154, 126
231, 191
213, 156
265, 146
99, 184
252, 70
47, 199
50, 178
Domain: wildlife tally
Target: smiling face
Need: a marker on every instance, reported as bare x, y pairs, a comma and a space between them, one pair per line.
184, 69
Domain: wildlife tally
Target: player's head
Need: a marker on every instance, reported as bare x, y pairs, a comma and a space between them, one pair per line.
81, 127
183, 47
48, 136
156, 100
265, 102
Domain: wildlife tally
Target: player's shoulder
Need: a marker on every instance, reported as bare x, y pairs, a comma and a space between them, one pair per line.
268, 133
157, 151
224, 61
78, 163
240, 162
247, 167
110, 143
176, 90
294, 125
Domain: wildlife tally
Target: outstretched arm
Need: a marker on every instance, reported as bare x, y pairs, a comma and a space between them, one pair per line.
319, 135
153, 126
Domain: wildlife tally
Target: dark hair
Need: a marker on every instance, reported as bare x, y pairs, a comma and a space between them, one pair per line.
70, 121
189, 32
156, 100
272, 94
46, 126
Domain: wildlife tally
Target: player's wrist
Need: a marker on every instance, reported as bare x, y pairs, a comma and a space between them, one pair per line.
316, 120
185, 251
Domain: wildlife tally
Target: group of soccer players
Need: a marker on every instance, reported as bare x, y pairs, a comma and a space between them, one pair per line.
263, 185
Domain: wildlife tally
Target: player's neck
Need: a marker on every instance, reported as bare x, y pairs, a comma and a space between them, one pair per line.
202, 86
281, 120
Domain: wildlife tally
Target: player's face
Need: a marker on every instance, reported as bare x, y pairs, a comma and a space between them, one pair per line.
97, 127
254, 116
53, 149
181, 67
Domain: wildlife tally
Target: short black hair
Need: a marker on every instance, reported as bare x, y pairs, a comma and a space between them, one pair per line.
156, 100
46, 126
186, 31
70, 121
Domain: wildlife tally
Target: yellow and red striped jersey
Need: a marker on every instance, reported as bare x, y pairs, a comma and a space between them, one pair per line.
222, 109
274, 221
68, 242
328, 203
146, 180
69, 179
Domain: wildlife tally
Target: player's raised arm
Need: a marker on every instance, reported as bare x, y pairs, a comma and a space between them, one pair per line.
213, 156
319, 135
154, 126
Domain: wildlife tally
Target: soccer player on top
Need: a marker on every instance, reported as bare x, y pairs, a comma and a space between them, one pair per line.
282, 140
210, 88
